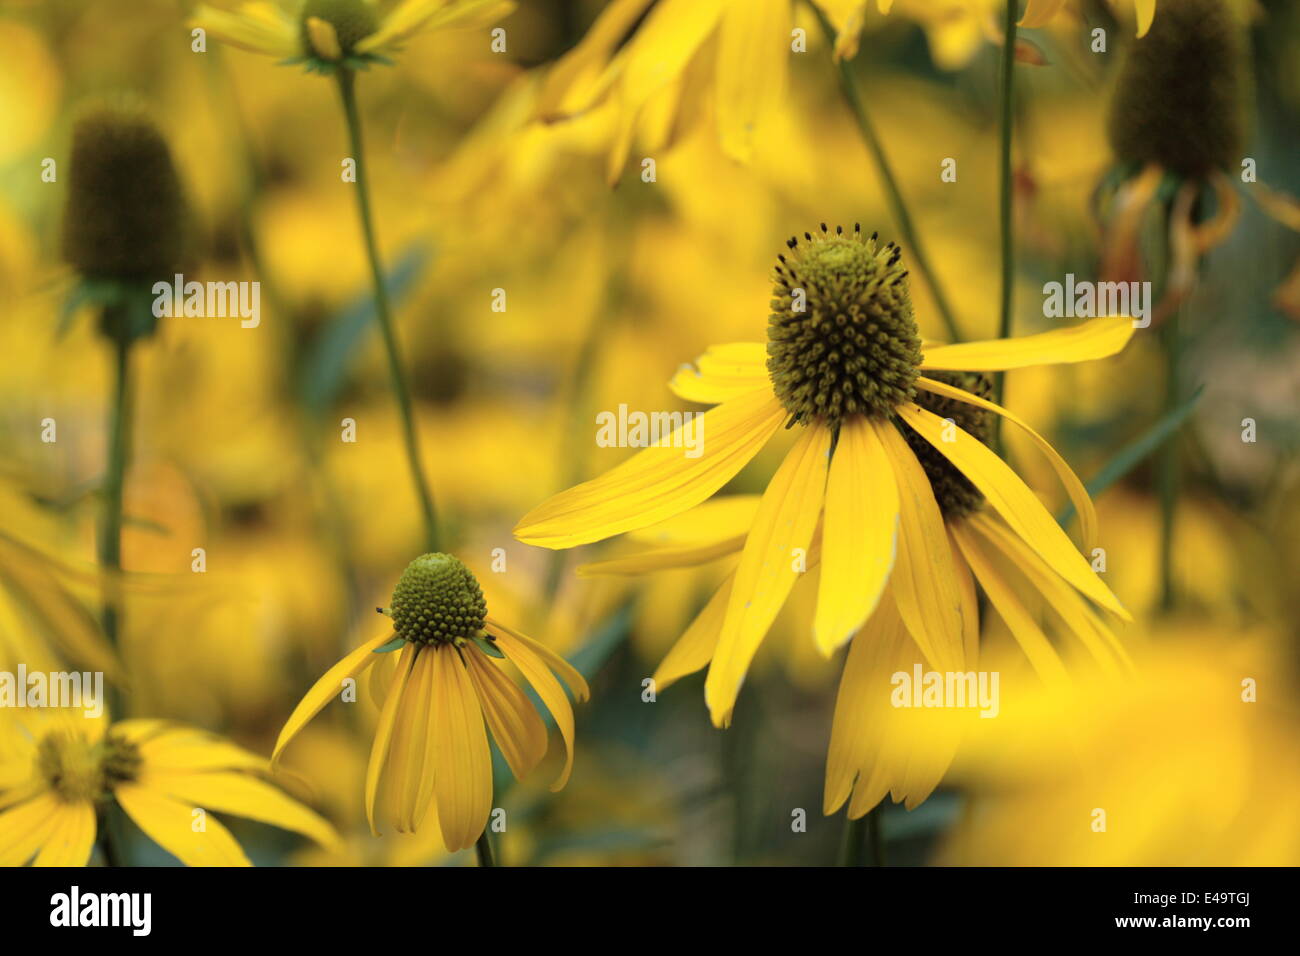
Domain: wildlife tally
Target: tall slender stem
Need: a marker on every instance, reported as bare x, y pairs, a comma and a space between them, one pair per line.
110, 538
863, 841
1006, 121
401, 388
897, 206
483, 849
1167, 468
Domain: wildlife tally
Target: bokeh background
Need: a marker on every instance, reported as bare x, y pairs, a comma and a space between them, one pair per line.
609, 289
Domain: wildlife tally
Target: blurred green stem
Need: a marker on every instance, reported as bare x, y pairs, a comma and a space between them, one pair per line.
897, 206
110, 539
483, 848
401, 388
1168, 478
1006, 121
863, 841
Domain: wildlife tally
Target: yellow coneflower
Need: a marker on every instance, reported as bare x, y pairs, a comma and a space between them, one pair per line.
844, 361
326, 33
437, 676
58, 769
1177, 126
871, 750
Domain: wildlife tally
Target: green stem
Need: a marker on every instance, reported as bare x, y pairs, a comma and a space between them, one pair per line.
483, 848
863, 841
110, 540
1168, 478
401, 388
897, 205
1006, 121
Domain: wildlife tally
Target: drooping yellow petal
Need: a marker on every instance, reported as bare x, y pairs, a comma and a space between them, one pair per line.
858, 697
409, 749
324, 690
769, 565
1146, 13
568, 673
859, 535
722, 372
694, 649
924, 583
1039, 13
514, 722
1010, 498
257, 27
1094, 339
577, 79
1073, 486
71, 839
753, 49
665, 43
25, 828
413, 16
1038, 649
687, 556
384, 731
548, 689
658, 482
463, 780
1063, 600
244, 796
172, 825
720, 518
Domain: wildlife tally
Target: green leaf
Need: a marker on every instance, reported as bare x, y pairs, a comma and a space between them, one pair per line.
1132, 454
392, 645
324, 369
489, 648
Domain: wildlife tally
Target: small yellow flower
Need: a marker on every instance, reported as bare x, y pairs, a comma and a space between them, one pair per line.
58, 768
326, 33
843, 362
431, 747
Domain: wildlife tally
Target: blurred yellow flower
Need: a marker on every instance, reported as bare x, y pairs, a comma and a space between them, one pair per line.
437, 690
339, 31
57, 768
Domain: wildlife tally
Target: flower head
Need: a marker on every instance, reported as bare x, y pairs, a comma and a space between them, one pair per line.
58, 769
328, 34
842, 362
438, 676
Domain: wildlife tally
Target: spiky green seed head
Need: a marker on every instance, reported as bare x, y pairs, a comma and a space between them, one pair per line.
1181, 96
126, 213
841, 339
956, 496
352, 20
438, 601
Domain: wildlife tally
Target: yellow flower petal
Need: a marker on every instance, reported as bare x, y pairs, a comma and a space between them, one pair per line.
658, 482
579, 77
72, 838
548, 689
1039, 13
244, 796
753, 50
718, 519
694, 649
409, 750
184, 749
25, 828
463, 780
1146, 13
170, 824
384, 731
923, 582
324, 39
514, 722
786, 519
1094, 339
1046, 662
568, 673
325, 689
1017, 505
723, 372
1073, 486
257, 27
644, 562
859, 535
415, 16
